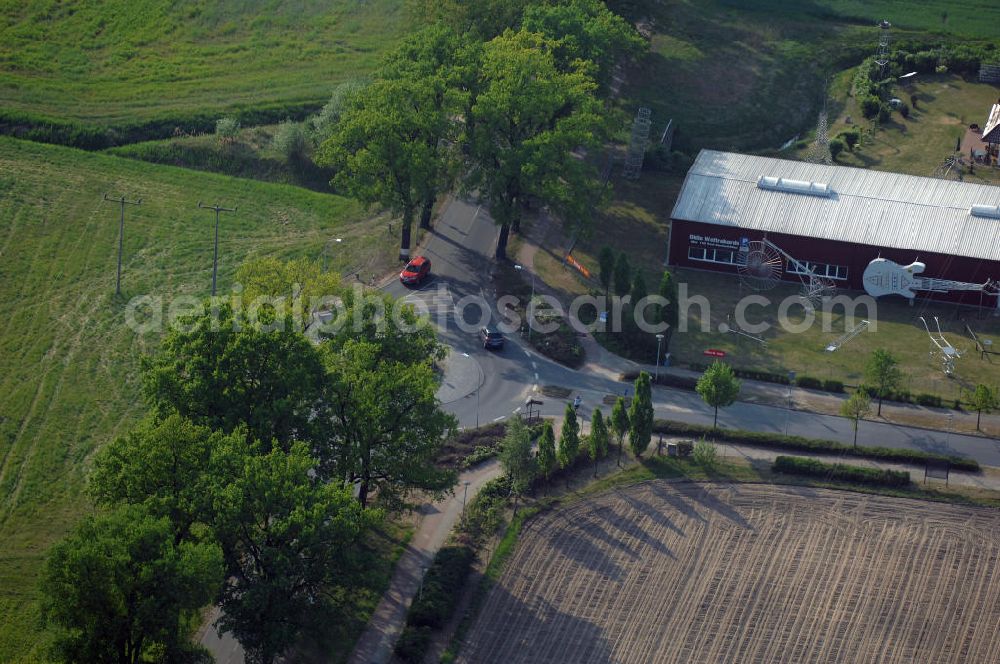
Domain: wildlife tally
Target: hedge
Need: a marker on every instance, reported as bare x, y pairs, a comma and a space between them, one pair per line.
436, 601
838, 471
779, 441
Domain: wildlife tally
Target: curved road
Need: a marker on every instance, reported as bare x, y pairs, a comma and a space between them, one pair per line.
460, 247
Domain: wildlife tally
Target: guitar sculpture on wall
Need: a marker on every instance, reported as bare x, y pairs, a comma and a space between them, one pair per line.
885, 277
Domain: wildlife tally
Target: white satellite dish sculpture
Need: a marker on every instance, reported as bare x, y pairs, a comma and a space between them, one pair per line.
762, 265
884, 277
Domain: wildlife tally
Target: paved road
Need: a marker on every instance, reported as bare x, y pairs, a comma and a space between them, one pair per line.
460, 248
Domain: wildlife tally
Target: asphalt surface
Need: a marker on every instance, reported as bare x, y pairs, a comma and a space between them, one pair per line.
461, 247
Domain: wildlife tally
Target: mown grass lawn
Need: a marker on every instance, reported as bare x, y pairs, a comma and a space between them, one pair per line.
122, 61
68, 362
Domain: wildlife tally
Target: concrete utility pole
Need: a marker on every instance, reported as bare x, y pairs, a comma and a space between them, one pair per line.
121, 235
215, 259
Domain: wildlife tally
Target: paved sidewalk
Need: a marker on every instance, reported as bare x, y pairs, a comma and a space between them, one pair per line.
376, 644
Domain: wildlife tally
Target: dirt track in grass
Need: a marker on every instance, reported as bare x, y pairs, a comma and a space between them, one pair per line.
682, 572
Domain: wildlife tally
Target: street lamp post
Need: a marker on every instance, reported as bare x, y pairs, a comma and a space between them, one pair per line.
465, 495
656, 371
326, 250
788, 414
530, 307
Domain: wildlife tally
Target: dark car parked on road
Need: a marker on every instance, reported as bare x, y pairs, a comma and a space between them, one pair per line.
491, 338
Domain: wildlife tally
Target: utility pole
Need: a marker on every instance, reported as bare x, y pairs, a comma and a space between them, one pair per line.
215, 259
121, 235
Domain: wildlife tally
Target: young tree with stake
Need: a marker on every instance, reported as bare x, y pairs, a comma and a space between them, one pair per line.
883, 374
516, 459
857, 407
983, 399
718, 387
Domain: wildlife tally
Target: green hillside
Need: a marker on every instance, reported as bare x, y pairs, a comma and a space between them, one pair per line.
119, 62
68, 379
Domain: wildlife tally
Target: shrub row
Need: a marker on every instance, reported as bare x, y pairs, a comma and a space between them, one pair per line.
779, 441
921, 399
98, 137
435, 602
813, 383
838, 471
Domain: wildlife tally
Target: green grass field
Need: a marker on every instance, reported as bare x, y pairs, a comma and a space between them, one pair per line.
946, 105
750, 75
118, 62
68, 363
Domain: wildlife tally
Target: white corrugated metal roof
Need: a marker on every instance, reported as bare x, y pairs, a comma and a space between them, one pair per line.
866, 207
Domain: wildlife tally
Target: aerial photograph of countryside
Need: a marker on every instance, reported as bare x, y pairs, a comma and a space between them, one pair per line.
499, 331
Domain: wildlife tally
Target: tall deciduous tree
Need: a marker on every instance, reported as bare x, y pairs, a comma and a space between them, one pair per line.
983, 399
382, 149
619, 424
718, 387
585, 30
640, 415
293, 288
289, 542
883, 374
119, 586
547, 451
385, 422
440, 61
856, 407
597, 443
165, 466
526, 120
569, 438
222, 372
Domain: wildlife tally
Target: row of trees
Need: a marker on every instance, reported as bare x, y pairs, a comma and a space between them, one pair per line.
504, 106
250, 482
635, 421
617, 276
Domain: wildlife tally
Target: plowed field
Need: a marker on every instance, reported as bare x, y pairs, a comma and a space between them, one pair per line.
686, 573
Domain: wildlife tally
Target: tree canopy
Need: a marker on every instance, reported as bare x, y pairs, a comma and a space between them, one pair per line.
223, 372
116, 588
718, 387
526, 120
883, 374
640, 415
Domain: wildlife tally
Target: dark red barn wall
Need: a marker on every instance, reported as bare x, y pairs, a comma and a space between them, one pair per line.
854, 256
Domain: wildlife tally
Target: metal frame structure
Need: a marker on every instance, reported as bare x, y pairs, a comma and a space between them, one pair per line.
882, 53
638, 144
762, 266
945, 351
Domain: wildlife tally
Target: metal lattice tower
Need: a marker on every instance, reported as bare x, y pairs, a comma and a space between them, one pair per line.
638, 144
882, 54
819, 153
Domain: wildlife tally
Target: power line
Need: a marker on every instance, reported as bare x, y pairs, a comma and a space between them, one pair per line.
215, 259
121, 235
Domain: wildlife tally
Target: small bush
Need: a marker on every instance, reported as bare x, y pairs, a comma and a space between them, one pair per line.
929, 400
227, 129
836, 147
841, 472
808, 382
870, 107
704, 453
480, 454
833, 386
290, 142
851, 138
413, 643
904, 110
799, 443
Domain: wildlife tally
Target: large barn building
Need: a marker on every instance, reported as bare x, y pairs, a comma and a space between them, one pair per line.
836, 220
